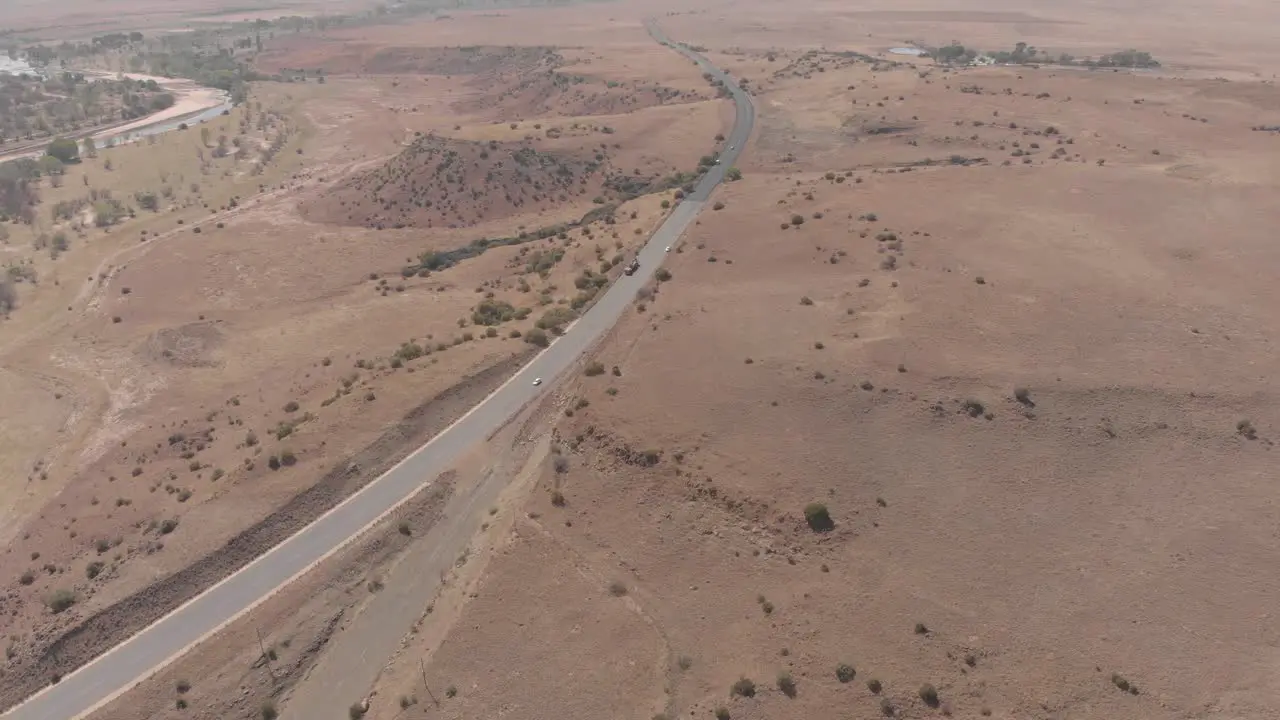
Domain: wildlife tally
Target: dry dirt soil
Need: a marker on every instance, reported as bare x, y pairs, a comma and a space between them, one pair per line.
1007, 326
193, 383
1010, 326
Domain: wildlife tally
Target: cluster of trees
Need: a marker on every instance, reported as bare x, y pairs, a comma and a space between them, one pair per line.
1022, 53
32, 107
18, 193
44, 55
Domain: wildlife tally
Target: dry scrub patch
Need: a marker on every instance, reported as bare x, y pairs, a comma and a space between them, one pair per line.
868, 337
256, 661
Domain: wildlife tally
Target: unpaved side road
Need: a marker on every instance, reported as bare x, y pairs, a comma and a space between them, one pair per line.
357, 654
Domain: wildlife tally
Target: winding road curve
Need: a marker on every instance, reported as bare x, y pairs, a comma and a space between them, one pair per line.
164, 641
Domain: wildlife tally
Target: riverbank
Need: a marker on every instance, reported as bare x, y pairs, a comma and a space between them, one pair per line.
192, 104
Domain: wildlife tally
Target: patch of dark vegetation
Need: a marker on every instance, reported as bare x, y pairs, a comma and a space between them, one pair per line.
818, 518
436, 260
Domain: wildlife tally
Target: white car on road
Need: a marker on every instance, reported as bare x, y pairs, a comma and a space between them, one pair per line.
537, 382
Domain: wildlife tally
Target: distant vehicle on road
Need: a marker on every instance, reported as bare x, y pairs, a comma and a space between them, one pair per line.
668, 249
537, 382
632, 268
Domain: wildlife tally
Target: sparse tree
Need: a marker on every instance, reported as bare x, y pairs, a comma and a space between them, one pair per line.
64, 150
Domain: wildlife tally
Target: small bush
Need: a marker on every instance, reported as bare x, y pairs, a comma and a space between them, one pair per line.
722, 713
663, 275
268, 711
61, 600
561, 464
797, 220
718, 206
168, 526
1246, 429
973, 408
617, 589
94, 569
1119, 681
180, 703
287, 458
819, 520
845, 672
291, 407
1022, 395
27, 578
744, 687
874, 686
685, 662
450, 691
356, 711
929, 694
558, 499
404, 528
537, 337
594, 369
787, 684
886, 707
183, 687
922, 629
806, 300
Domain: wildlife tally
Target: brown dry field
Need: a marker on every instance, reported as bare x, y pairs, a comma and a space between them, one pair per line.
160, 369
1099, 239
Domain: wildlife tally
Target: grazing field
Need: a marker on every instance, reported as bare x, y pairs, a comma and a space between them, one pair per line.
956, 401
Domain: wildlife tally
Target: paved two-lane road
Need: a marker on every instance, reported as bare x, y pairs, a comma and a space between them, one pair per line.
134, 660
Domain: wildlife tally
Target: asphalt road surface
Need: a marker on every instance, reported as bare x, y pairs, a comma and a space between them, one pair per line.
136, 659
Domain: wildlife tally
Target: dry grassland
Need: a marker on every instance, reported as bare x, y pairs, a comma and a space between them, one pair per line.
958, 403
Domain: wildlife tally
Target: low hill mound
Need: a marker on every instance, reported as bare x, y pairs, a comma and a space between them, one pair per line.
439, 182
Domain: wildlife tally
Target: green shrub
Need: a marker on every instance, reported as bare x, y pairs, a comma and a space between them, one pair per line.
929, 694
594, 369
845, 672
819, 520
537, 337
787, 684
744, 687
61, 600
874, 686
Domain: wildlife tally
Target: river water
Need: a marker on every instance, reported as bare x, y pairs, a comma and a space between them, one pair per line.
164, 126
